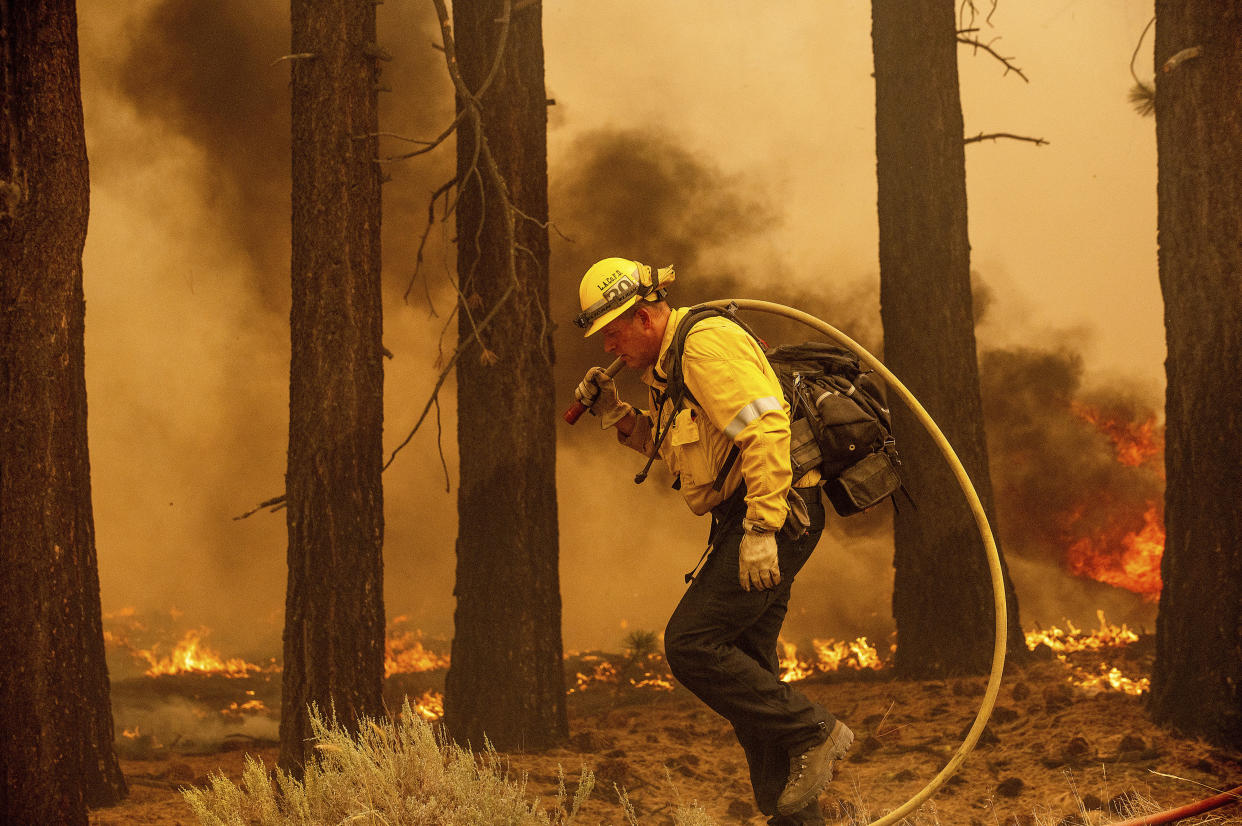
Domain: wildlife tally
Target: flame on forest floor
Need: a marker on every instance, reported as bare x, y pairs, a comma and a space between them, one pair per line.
1071, 639
404, 652
645, 671
826, 657
429, 705
190, 655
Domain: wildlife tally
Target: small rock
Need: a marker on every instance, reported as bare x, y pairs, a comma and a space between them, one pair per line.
1131, 743
968, 688
613, 770
1058, 697
1020, 691
1004, 714
1010, 787
740, 809
1043, 651
180, 771
1076, 749
1092, 803
869, 745
590, 741
986, 738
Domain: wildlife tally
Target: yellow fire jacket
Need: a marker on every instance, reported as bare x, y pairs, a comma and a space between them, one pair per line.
739, 401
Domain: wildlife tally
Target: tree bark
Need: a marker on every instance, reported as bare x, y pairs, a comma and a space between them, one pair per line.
334, 610
506, 679
56, 755
1197, 677
942, 597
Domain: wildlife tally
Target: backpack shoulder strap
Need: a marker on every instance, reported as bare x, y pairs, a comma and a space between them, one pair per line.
675, 389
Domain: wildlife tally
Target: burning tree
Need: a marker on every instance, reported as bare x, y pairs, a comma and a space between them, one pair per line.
334, 611
56, 753
942, 598
1197, 678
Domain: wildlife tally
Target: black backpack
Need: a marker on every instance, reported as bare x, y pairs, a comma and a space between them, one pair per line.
839, 421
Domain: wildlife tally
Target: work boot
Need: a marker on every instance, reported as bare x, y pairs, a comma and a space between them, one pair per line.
811, 770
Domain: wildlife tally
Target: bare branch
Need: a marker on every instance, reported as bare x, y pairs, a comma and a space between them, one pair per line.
968, 11
448, 368
428, 145
275, 503
987, 47
992, 136
299, 56
431, 219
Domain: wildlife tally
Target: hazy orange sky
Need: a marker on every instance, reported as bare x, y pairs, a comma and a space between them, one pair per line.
187, 338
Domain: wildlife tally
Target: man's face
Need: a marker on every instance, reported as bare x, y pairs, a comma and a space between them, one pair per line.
634, 339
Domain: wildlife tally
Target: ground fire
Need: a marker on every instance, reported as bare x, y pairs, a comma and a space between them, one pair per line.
415, 666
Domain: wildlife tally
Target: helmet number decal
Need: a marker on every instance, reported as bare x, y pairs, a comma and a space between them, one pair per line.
623, 287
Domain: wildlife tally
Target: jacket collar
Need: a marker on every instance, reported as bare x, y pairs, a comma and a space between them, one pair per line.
657, 374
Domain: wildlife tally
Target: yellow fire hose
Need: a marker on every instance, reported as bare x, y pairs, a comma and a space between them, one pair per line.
981, 522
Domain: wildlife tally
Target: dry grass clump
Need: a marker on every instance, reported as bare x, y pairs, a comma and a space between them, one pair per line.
390, 773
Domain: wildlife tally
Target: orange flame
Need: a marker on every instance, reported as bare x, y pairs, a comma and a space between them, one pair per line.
1130, 560
647, 671
1134, 442
828, 656
1070, 640
192, 656
404, 652
1117, 552
430, 706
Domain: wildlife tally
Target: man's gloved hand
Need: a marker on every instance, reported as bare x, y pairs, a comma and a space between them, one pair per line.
757, 562
598, 393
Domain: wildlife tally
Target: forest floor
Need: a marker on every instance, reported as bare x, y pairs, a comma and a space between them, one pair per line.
1052, 753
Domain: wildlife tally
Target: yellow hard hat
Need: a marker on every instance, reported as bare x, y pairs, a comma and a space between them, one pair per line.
613, 285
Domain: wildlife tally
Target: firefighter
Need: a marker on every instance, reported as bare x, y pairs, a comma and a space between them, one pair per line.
720, 642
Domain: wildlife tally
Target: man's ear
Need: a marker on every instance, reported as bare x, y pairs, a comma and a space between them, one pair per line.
643, 314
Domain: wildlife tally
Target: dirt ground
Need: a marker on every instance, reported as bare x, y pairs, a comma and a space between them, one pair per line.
1051, 754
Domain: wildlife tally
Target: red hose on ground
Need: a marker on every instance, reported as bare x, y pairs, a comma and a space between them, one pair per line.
1189, 810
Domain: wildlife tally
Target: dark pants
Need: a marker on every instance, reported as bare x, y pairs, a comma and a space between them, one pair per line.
721, 644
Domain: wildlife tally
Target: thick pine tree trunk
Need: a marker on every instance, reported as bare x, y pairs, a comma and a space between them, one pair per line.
334, 610
505, 680
942, 597
1197, 678
56, 754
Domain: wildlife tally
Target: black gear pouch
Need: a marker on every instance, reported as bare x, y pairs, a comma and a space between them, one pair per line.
863, 484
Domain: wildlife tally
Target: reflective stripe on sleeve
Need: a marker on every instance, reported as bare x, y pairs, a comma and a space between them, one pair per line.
749, 413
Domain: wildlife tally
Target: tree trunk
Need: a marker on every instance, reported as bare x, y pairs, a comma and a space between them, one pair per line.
56, 754
334, 609
1197, 678
942, 597
506, 677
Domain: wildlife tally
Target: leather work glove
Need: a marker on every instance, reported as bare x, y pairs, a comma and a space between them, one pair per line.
757, 565
598, 393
